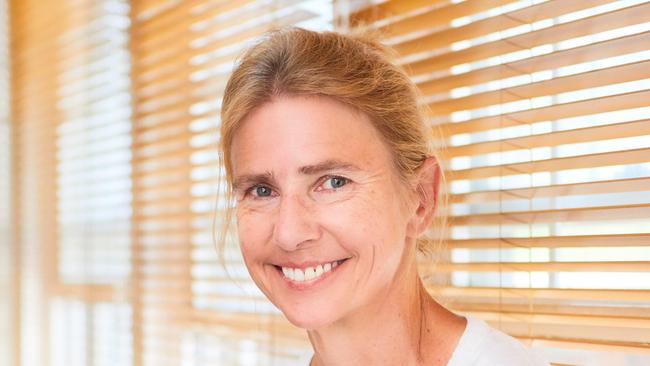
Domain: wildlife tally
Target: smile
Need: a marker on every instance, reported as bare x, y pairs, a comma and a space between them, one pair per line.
309, 273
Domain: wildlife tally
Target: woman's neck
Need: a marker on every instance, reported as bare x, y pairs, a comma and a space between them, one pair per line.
405, 326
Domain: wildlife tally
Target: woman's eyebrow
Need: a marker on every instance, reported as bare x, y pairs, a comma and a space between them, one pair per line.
326, 166
248, 179
267, 177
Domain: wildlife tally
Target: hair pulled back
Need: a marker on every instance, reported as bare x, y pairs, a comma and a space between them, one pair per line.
356, 70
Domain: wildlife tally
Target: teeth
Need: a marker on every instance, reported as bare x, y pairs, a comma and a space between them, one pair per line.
286, 270
296, 274
309, 274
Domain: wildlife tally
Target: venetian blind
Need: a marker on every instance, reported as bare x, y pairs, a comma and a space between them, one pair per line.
93, 185
187, 306
7, 268
114, 167
543, 105
32, 121
71, 122
114, 119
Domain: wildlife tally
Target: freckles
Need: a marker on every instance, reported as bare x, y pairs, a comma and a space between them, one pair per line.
249, 232
248, 216
254, 230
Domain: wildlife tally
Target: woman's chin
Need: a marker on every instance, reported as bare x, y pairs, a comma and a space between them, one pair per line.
308, 320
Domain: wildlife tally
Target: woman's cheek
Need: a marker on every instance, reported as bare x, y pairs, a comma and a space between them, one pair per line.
251, 229
352, 221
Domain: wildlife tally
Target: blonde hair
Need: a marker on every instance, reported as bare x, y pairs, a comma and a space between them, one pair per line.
356, 70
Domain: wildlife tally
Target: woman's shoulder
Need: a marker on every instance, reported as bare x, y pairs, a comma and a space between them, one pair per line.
481, 345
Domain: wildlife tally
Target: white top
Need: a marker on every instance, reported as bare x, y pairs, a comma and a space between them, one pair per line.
482, 345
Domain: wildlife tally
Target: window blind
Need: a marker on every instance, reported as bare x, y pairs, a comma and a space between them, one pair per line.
7, 268
543, 107
32, 121
115, 118
113, 131
93, 186
187, 306
71, 117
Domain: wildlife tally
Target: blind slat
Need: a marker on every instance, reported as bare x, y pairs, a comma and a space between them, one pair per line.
623, 266
590, 79
611, 103
439, 16
553, 165
565, 294
556, 215
390, 8
559, 58
601, 187
598, 23
627, 312
622, 240
587, 134
545, 10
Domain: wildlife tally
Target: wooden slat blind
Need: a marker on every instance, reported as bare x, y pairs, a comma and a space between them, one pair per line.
191, 308
7, 266
115, 119
71, 128
543, 107
33, 120
93, 146
111, 177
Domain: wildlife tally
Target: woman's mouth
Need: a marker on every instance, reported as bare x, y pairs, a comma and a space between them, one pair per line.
309, 275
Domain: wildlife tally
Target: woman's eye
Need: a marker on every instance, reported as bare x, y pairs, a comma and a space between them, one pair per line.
262, 191
335, 182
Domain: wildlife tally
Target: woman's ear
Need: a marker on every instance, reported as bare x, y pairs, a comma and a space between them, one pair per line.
427, 185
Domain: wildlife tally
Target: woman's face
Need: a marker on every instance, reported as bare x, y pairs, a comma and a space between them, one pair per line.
322, 224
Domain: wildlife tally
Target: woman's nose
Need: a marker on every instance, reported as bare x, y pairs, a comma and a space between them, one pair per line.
295, 226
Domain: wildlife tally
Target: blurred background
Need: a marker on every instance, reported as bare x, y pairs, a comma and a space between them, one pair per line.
109, 112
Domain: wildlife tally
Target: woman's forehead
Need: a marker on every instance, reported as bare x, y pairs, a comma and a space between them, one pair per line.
306, 131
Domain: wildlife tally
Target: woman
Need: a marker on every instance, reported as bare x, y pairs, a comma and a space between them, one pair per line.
328, 158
